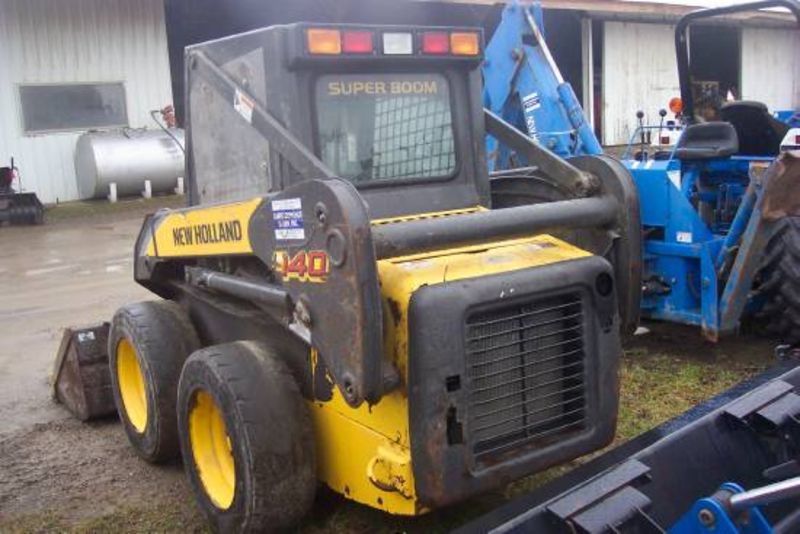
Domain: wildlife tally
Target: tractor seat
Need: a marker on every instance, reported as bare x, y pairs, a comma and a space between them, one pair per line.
760, 134
710, 140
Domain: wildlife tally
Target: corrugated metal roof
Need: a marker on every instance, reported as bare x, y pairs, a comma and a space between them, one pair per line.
648, 11
65, 41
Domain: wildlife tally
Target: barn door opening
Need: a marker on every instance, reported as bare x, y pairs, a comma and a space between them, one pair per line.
714, 59
640, 72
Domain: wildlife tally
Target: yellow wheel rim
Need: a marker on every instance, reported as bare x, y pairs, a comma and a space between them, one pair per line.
131, 385
212, 449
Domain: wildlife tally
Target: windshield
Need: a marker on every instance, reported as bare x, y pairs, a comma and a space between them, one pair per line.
386, 126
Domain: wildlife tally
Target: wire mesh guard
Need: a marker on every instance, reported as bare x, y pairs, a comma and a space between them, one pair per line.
526, 369
386, 127
413, 138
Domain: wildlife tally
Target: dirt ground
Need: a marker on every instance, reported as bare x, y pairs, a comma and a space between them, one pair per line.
58, 474
75, 270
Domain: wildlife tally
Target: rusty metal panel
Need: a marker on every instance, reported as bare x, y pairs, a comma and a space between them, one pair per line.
337, 309
781, 194
81, 377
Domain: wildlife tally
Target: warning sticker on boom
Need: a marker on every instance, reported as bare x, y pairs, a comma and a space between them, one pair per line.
287, 215
243, 105
531, 102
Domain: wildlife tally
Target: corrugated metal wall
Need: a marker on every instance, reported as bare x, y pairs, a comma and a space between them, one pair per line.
55, 41
639, 73
771, 67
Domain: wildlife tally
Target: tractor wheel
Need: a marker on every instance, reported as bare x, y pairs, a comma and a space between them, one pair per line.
147, 345
522, 187
246, 438
780, 282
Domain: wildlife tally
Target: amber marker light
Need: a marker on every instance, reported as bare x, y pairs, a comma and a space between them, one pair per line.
676, 105
324, 41
464, 44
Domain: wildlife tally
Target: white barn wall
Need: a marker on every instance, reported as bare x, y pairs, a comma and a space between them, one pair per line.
65, 41
639, 73
771, 67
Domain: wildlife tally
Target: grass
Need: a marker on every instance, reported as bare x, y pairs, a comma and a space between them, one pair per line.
129, 519
40, 522
82, 209
662, 375
159, 519
657, 387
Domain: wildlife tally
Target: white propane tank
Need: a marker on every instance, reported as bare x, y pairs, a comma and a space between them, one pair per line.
128, 158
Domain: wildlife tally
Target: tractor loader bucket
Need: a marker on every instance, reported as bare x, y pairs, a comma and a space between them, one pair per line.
747, 435
81, 378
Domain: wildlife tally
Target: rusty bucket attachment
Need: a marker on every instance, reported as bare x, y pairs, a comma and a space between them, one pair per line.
81, 378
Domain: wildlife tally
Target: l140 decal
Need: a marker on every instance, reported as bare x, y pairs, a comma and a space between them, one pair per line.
303, 266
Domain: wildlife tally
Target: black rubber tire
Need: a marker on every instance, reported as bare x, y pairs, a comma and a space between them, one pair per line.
270, 433
162, 335
780, 282
508, 191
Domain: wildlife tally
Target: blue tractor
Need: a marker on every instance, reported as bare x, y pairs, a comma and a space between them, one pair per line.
721, 236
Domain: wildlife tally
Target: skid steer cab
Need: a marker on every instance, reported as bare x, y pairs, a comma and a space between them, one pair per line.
341, 302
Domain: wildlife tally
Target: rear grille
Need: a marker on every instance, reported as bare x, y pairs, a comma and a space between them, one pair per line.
526, 369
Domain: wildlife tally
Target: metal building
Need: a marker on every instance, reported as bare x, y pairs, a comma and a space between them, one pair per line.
755, 57
67, 66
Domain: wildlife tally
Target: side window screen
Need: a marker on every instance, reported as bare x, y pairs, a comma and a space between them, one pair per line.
47, 108
385, 127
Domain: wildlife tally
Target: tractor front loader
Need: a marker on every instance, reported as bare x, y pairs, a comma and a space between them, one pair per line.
719, 211
341, 302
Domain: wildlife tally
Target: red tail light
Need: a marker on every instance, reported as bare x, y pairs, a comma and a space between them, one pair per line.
357, 42
435, 43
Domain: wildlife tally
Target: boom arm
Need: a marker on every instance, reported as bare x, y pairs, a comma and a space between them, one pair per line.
524, 86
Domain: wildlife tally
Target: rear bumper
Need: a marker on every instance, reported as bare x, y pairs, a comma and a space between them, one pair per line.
462, 443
